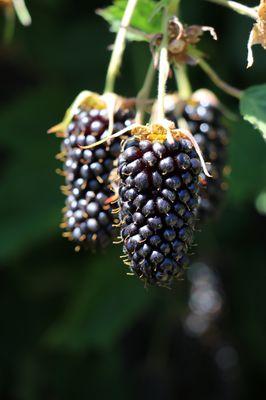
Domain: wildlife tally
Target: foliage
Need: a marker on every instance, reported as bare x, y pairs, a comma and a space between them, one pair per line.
146, 18
253, 107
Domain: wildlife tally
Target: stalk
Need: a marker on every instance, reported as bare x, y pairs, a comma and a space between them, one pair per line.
163, 68
184, 87
144, 93
173, 7
9, 28
22, 12
238, 7
232, 91
119, 47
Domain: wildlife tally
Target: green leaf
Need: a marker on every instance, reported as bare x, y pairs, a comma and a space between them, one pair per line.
253, 107
248, 162
146, 18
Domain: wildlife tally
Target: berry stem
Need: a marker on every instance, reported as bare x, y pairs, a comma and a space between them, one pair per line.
232, 91
146, 36
144, 93
238, 7
22, 12
184, 87
119, 47
9, 24
173, 7
163, 67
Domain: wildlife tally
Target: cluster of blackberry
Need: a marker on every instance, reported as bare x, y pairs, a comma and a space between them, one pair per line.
88, 217
158, 202
162, 189
204, 119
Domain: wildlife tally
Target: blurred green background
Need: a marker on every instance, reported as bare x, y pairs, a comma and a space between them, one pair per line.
74, 326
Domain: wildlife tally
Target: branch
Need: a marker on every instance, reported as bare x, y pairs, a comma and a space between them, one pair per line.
119, 47
239, 8
163, 67
232, 91
22, 12
144, 93
183, 84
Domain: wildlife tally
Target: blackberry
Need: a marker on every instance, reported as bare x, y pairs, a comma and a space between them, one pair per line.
204, 119
157, 208
88, 217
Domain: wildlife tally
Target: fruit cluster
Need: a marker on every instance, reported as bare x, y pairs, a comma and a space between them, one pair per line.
161, 186
204, 120
158, 198
88, 217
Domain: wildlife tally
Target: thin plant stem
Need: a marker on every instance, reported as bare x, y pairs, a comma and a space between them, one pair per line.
232, 91
119, 47
147, 36
173, 7
22, 12
163, 68
184, 87
144, 93
9, 28
238, 7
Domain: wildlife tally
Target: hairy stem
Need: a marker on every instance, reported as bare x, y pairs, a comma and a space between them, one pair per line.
232, 91
163, 68
238, 7
184, 87
144, 93
119, 47
22, 12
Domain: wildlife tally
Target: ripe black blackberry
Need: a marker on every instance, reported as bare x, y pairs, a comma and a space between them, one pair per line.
88, 217
204, 120
158, 199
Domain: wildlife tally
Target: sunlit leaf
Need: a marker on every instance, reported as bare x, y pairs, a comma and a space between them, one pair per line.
146, 18
248, 162
253, 107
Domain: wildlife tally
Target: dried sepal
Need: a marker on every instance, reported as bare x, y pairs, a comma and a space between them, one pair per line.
6, 3
181, 40
85, 98
165, 130
258, 32
182, 37
159, 132
88, 100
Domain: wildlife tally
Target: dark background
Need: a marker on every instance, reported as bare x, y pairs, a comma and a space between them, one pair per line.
74, 326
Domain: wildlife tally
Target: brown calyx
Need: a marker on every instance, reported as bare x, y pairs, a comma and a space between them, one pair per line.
90, 100
6, 3
180, 38
157, 132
